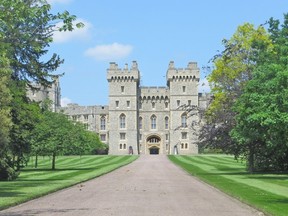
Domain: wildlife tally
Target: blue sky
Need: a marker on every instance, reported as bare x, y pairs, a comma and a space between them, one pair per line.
151, 32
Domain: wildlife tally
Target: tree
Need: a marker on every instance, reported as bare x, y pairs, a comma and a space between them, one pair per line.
6, 170
233, 68
262, 118
57, 135
26, 30
25, 115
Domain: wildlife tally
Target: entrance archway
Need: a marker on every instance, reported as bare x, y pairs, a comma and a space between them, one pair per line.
153, 143
154, 150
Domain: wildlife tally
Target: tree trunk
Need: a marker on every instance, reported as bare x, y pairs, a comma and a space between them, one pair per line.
36, 160
251, 159
53, 160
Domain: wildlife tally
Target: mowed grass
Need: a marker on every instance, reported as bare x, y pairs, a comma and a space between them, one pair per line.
70, 170
266, 192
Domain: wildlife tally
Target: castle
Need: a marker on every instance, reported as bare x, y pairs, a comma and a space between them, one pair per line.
143, 120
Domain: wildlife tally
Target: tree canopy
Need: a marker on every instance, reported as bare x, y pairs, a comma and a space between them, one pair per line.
26, 32
248, 116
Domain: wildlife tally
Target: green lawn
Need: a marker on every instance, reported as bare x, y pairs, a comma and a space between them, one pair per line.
266, 192
70, 170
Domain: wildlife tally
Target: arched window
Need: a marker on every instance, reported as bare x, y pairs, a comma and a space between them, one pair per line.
122, 121
153, 122
166, 122
153, 139
140, 122
120, 146
124, 146
184, 120
166, 105
186, 146
103, 123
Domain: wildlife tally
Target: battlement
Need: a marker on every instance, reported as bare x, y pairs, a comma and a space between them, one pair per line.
191, 72
74, 108
154, 93
115, 73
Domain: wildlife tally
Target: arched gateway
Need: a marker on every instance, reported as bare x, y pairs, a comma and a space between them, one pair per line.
153, 144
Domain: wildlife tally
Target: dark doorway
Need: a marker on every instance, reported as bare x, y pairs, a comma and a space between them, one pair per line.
154, 151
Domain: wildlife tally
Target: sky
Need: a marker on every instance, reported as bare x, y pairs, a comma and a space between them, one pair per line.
151, 32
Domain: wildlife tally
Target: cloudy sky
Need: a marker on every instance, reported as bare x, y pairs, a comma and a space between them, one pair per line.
152, 32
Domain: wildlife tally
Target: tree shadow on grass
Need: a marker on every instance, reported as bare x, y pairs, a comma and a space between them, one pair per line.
57, 170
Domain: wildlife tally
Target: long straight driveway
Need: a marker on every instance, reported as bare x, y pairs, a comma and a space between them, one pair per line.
151, 185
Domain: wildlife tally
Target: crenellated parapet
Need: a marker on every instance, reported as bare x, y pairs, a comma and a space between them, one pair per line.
190, 73
114, 73
154, 94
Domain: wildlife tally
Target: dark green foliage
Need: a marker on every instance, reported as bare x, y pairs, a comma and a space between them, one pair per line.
26, 30
6, 170
56, 135
262, 110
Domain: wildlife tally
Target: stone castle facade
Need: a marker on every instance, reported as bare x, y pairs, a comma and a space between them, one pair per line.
144, 120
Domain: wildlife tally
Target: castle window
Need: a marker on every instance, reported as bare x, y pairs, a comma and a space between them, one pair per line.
182, 145
166, 122
166, 105
122, 121
178, 102
122, 136
140, 122
102, 123
124, 146
189, 102
140, 105
120, 146
117, 104
153, 105
85, 117
186, 146
167, 137
184, 121
184, 89
122, 89
153, 122
128, 104
184, 135
103, 137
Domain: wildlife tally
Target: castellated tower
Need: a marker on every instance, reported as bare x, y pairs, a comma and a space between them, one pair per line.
40, 93
183, 85
123, 109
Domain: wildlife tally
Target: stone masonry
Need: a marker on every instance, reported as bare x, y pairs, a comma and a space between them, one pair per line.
139, 119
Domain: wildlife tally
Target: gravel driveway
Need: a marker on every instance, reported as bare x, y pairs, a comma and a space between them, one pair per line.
151, 185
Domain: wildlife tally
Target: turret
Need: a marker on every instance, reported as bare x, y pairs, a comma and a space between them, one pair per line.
191, 73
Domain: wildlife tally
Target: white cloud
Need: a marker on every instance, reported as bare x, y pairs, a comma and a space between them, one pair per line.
77, 33
204, 86
58, 1
65, 101
110, 52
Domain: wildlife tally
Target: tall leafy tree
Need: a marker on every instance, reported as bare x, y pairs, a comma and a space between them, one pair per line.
262, 117
26, 30
57, 135
233, 68
6, 171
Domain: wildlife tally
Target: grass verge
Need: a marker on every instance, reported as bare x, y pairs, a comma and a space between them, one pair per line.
266, 192
70, 170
